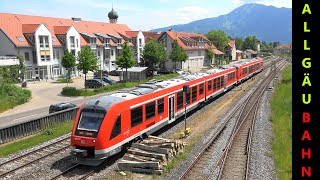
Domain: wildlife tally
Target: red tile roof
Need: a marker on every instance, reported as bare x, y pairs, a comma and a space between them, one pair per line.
148, 36
216, 51
14, 28
29, 28
132, 34
284, 46
232, 42
61, 29
176, 35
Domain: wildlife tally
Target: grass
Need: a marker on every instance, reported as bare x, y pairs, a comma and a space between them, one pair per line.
12, 95
45, 135
282, 125
72, 91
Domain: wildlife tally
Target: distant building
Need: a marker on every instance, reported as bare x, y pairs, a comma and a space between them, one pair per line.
43, 40
239, 55
249, 53
258, 46
230, 50
195, 46
282, 49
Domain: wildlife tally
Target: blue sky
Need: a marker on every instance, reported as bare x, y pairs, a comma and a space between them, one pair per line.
138, 15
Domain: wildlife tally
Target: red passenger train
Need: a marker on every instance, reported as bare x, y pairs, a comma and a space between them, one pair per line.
102, 127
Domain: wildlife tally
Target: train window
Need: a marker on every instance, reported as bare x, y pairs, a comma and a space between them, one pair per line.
222, 80
150, 110
136, 116
180, 100
218, 83
91, 121
160, 106
194, 93
209, 85
201, 87
215, 84
116, 130
188, 97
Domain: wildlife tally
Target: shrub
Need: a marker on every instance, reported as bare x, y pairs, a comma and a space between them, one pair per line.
12, 95
72, 91
64, 80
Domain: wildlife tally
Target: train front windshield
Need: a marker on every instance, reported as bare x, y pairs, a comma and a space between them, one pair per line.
91, 121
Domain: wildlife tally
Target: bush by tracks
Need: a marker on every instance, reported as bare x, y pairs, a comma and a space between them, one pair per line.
12, 95
282, 125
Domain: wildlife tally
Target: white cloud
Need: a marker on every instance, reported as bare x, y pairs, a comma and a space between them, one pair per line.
236, 2
283, 3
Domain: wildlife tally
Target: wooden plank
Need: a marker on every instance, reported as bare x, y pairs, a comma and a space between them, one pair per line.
146, 154
131, 157
141, 170
133, 164
151, 149
142, 158
159, 138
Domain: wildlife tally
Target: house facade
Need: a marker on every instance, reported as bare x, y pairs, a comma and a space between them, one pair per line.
195, 46
231, 51
43, 40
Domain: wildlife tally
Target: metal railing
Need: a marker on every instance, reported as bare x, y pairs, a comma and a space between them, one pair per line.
33, 126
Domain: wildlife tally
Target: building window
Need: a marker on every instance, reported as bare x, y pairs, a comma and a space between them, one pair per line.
72, 44
199, 53
119, 42
34, 56
44, 41
209, 85
150, 110
201, 87
194, 93
77, 42
58, 54
140, 41
180, 100
160, 106
54, 54
136, 116
116, 130
111, 52
172, 45
26, 56
73, 52
107, 53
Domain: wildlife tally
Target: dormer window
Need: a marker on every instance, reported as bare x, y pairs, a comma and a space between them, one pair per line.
119, 41
44, 41
92, 40
107, 41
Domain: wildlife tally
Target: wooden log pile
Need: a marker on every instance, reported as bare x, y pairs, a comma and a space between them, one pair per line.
150, 155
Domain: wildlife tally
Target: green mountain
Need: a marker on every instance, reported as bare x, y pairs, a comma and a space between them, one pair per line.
267, 23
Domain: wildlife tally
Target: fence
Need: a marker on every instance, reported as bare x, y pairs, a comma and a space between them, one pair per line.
34, 126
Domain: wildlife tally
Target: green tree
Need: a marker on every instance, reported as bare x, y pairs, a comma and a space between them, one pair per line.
178, 54
239, 43
125, 59
210, 54
250, 42
22, 67
68, 61
219, 38
87, 61
153, 53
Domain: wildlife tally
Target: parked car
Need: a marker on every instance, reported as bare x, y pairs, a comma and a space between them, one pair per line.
60, 106
98, 73
94, 83
107, 80
114, 73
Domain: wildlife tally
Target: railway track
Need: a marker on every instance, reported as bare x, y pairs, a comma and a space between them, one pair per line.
195, 170
86, 172
236, 159
28, 159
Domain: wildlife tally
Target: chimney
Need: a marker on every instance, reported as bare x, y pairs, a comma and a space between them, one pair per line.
76, 19
170, 29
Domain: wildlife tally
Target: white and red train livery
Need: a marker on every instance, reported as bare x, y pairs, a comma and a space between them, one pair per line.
103, 126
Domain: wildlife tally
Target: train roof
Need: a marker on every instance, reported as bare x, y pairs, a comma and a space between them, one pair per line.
245, 61
153, 85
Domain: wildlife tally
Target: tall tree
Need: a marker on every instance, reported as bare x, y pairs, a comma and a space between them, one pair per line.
239, 43
178, 54
210, 54
153, 53
250, 42
22, 67
68, 61
125, 59
219, 38
87, 61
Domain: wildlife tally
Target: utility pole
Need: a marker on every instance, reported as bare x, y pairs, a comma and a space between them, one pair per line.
185, 92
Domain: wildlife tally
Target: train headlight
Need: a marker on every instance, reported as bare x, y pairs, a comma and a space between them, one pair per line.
94, 141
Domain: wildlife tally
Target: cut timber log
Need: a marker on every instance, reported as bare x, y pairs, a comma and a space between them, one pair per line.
141, 170
146, 154
138, 158
152, 149
132, 164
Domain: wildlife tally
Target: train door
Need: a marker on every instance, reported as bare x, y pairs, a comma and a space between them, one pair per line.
171, 108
